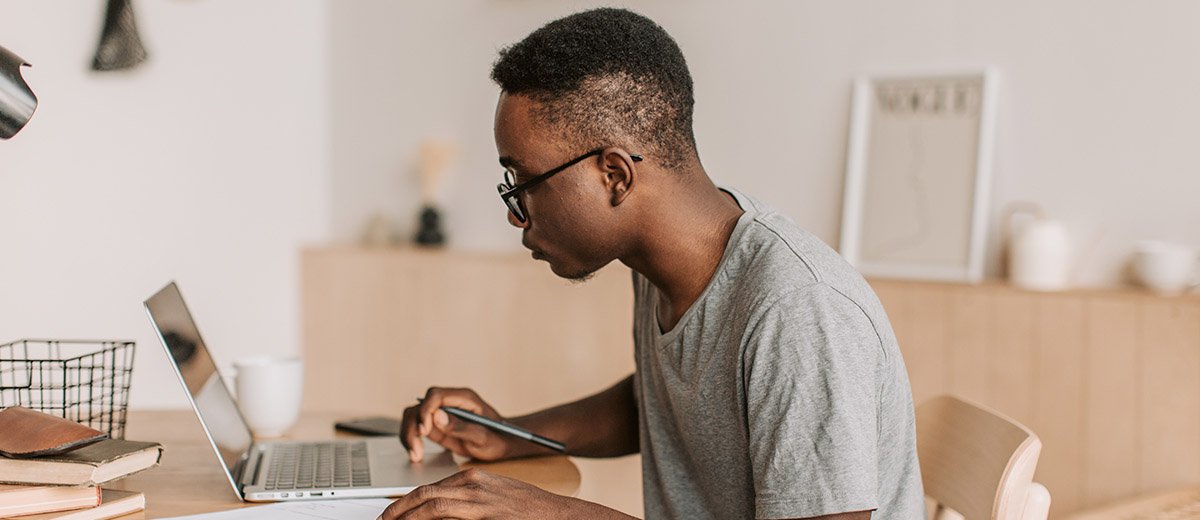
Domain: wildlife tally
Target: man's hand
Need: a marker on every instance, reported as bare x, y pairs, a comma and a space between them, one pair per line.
476, 494
461, 437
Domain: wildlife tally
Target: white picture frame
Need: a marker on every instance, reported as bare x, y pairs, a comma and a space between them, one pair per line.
918, 174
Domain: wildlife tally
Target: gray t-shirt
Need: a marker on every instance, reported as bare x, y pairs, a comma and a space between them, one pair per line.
780, 393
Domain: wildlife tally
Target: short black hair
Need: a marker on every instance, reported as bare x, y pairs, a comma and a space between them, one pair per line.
606, 74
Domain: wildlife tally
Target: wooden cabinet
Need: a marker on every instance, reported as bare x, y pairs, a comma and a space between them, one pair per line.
380, 326
1109, 379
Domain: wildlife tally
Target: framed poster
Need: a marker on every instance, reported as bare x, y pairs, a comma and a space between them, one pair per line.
918, 175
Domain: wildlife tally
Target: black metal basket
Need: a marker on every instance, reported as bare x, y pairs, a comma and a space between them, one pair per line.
84, 381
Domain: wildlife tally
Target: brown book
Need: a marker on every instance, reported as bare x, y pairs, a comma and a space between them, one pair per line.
28, 500
92, 465
29, 433
114, 503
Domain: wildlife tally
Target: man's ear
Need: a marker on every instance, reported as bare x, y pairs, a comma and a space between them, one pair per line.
619, 173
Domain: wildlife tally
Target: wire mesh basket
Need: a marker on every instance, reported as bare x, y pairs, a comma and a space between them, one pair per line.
84, 381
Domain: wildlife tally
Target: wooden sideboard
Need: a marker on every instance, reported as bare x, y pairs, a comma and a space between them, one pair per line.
380, 326
1110, 379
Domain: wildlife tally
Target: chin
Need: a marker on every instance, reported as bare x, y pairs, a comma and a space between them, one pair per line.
574, 274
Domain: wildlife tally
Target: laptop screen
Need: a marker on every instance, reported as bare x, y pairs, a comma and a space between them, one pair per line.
210, 397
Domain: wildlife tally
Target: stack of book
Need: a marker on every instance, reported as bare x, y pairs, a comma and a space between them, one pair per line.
53, 468
68, 485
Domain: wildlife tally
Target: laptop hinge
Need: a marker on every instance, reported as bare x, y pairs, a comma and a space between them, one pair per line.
254, 468
242, 468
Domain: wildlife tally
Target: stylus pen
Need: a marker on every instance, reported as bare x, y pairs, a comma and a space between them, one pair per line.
503, 428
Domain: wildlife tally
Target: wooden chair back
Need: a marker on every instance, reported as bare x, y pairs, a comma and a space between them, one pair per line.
977, 462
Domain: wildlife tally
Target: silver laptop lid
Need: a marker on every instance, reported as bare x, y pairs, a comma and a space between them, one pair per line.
214, 404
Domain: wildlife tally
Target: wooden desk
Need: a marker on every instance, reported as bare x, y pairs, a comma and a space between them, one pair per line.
189, 480
1178, 503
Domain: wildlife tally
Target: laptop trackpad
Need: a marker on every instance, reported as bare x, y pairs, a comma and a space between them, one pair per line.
390, 465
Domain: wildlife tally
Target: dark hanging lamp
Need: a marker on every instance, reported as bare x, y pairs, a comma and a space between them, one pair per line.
17, 101
120, 45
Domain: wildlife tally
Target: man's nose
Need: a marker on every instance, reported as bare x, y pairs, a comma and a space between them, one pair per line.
512, 219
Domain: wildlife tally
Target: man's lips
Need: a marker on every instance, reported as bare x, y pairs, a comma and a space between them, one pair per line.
537, 255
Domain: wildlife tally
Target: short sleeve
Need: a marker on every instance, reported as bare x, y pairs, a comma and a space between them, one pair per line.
811, 371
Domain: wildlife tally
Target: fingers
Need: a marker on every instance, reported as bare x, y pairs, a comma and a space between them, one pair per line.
428, 420
449, 498
441, 421
453, 444
429, 506
410, 434
461, 437
464, 398
438, 509
450, 437
475, 494
467, 432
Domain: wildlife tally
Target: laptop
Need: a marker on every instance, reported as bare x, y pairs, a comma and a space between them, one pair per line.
280, 470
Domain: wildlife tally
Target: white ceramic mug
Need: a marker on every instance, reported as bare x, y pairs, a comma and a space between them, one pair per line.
1164, 267
269, 393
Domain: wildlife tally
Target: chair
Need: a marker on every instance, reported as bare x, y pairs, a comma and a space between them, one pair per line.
978, 464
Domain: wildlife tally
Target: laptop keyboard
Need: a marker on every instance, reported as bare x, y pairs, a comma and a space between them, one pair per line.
318, 465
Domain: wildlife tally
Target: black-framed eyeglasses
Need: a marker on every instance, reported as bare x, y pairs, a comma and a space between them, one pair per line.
510, 191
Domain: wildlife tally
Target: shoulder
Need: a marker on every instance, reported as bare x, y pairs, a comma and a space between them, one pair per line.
815, 315
775, 255
791, 274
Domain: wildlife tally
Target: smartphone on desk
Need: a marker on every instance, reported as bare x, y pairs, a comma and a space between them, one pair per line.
378, 426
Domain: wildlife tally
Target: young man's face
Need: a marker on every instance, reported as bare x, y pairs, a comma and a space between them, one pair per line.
568, 218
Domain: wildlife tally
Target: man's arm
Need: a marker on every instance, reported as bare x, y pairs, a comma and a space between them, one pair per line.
601, 425
476, 494
810, 376
857, 515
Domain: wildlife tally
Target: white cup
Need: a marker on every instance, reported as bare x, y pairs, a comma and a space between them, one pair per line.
1164, 267
269, 393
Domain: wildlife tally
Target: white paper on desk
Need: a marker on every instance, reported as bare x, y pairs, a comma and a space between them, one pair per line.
344, 509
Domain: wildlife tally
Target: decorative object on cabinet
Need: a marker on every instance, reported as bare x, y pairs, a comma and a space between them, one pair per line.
435, 159
1039, 249
918, 174
1166, 268
378, 231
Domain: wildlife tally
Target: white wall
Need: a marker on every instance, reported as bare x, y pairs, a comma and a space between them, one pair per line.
206, 165
1097, 106
261, 126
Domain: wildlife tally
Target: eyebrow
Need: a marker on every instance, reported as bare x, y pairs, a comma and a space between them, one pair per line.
510, 162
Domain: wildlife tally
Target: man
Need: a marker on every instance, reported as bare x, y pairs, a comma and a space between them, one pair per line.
768, 384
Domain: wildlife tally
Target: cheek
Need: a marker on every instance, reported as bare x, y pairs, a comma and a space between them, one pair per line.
570, 226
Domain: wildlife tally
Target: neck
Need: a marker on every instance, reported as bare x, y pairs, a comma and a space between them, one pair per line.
684, 242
